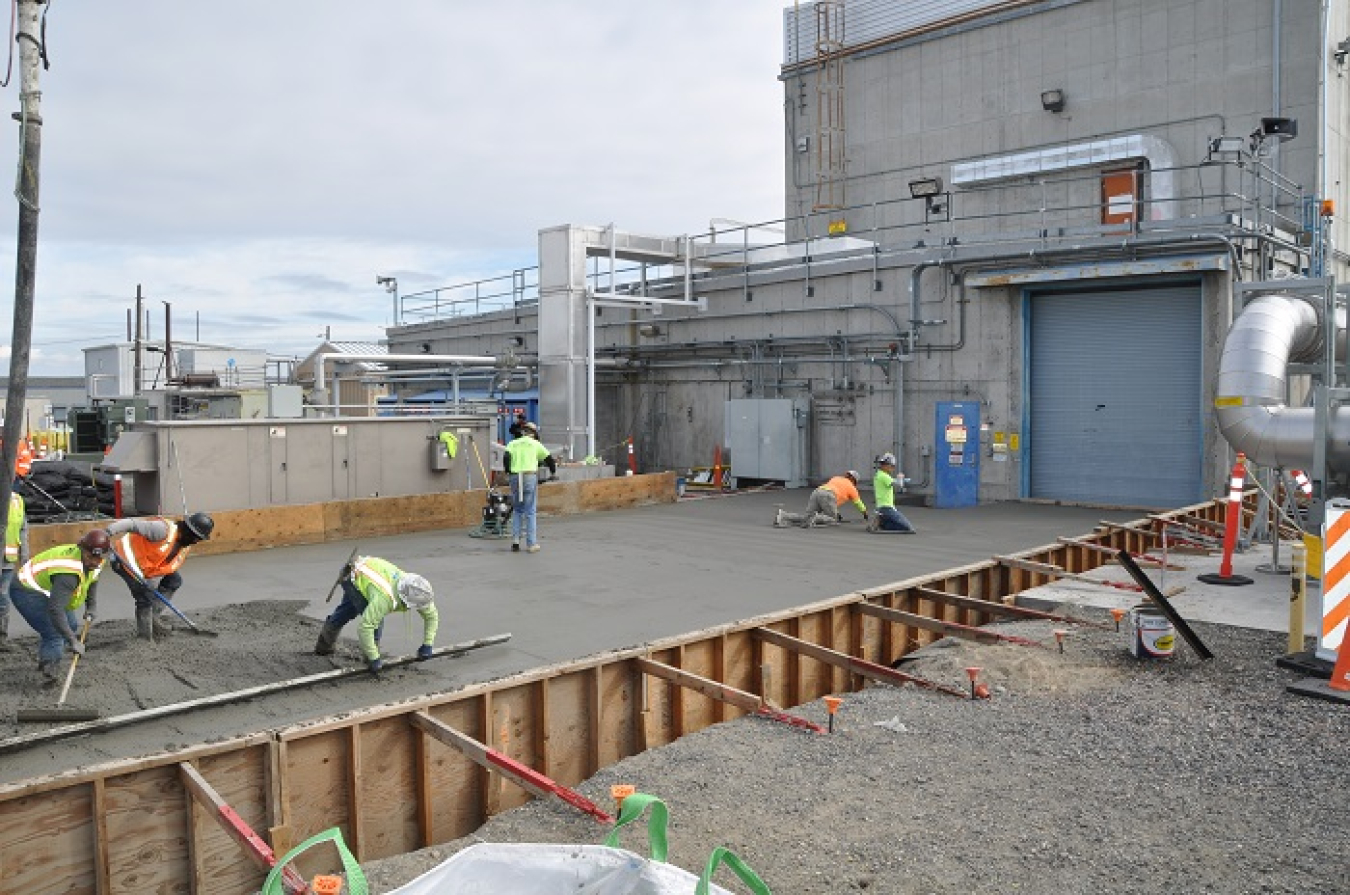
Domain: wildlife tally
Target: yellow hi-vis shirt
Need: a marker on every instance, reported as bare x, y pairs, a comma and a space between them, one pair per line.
38, 572
377, 580
14, 530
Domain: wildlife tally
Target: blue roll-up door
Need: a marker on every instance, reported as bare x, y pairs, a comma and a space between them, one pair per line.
1115, 398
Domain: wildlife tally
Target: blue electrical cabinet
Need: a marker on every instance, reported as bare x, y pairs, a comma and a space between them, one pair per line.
957, 454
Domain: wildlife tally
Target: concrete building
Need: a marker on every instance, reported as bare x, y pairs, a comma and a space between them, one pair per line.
1015, 237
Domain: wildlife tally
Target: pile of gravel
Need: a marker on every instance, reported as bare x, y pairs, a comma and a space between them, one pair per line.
1088, 771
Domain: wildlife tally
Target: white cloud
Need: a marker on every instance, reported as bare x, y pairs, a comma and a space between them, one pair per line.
258, 163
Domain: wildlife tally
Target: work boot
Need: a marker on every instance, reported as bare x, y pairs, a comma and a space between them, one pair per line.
48, 670
515, 546
145, 622
159, 625
328, 637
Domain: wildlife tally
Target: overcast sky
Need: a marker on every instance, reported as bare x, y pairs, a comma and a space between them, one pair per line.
257, 164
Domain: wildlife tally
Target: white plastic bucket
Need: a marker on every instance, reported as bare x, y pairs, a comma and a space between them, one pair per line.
1151, 634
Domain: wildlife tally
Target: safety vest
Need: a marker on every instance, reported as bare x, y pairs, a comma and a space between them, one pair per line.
14, 528
37, 573
23, 462
150, 559
525, 455
375, 577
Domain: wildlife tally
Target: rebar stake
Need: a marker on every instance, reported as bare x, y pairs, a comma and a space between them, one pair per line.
832, 706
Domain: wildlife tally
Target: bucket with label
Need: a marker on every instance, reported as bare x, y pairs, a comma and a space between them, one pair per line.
1151, 634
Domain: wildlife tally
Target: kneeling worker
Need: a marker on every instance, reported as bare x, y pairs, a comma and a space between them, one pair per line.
147, 554
887, 517
822, 508
372, 588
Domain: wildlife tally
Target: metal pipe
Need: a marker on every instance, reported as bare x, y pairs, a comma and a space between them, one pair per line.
1271, 332
321, 363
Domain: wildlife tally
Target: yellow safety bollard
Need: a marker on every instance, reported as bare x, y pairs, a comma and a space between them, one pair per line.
1298, 585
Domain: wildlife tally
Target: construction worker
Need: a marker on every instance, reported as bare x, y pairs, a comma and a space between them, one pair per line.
147, 554
16, 554
372, 588
521, 462
822, 508
52, 589
887, 517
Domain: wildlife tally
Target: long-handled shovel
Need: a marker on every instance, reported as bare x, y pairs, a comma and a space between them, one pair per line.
178, 612
60, 713
167, 602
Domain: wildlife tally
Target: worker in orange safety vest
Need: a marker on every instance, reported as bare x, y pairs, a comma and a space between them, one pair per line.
147, 554
822, 508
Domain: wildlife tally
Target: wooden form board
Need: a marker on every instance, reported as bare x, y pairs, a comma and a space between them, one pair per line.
239, 531
129, 827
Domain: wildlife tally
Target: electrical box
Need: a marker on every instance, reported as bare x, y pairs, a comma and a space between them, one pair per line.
767, 438
957, 454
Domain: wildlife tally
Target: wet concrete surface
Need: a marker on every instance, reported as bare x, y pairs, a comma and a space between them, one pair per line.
602, 581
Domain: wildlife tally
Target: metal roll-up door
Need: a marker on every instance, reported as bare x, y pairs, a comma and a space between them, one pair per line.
1115, 396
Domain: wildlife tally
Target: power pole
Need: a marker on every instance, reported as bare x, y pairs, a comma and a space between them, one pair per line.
31, 53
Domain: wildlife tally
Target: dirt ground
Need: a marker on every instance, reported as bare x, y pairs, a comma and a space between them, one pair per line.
1086, 773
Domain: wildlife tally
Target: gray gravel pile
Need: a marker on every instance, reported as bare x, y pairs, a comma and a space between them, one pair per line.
1086, 772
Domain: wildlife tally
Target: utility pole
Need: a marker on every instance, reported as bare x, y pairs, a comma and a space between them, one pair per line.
31, 54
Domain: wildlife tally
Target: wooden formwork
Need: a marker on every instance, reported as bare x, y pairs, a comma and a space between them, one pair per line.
391, 786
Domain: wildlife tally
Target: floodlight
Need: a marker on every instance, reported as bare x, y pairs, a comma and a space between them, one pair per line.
925, 187
1052, 100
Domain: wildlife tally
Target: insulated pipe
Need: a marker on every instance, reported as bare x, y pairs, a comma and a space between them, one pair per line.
1271, 332
321, 363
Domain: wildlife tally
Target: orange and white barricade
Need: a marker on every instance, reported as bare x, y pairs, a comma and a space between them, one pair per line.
1304, 484
1335, 582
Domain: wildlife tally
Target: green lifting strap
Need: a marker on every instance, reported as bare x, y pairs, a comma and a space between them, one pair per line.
740, 868
356, 880
632, 809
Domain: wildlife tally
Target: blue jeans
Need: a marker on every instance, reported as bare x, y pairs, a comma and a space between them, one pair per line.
525, 492
32, 605
352, 605
893, 520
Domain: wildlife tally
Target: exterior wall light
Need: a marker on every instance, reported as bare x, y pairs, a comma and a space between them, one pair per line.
1052, 100
925, 187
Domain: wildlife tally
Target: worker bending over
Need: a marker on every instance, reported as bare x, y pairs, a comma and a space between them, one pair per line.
822, 508
147, 554
52, 589
372, 588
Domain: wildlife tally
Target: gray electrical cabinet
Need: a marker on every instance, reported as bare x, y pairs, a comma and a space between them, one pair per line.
767, 439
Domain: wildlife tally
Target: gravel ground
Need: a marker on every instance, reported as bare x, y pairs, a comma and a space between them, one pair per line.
1086, 772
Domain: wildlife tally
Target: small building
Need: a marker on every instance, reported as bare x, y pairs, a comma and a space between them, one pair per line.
356, 384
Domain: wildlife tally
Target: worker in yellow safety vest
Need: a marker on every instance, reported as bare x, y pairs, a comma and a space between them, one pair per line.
521, 462
147, 554
53, 587
372, 588
16, 554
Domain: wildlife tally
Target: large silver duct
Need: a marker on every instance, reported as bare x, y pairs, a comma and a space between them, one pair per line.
1272, 332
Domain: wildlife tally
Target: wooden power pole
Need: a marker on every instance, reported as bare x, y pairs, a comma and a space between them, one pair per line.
31, 52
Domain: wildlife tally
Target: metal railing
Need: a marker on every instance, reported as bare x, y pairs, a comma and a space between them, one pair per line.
1244, 198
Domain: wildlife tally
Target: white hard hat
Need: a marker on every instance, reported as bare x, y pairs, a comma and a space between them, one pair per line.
414, 591
852, 475
886, 459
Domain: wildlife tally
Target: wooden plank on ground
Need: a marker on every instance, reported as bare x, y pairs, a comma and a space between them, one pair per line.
747, 702
949, 629
1005, 610
518, 773
216, 809
1054, 571
857, 666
